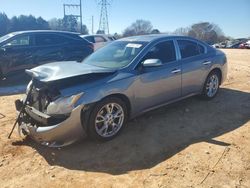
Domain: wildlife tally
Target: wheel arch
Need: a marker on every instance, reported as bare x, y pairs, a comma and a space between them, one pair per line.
86, 115
124, 98
218, 70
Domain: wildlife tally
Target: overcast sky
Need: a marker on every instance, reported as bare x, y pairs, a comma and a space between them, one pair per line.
231, 15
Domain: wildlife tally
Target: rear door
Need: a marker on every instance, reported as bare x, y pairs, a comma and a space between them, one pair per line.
49, 47
195, 64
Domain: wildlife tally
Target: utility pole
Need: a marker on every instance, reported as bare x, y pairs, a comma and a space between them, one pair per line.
79, 6
104, 23
92, 25
81, 14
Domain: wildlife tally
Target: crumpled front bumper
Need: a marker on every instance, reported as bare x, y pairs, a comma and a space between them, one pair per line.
61, 134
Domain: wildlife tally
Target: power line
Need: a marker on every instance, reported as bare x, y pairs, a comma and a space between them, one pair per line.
92, 22
104, 22
79, 6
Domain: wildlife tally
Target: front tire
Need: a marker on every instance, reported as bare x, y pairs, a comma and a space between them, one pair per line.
211, 86
107, 119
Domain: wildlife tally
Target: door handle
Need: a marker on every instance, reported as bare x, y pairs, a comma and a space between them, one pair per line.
207, 62
175, 71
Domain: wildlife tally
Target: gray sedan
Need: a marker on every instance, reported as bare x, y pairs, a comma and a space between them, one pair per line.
67, 101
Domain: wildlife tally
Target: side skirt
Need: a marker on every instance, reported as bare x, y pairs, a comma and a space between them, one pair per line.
164, 104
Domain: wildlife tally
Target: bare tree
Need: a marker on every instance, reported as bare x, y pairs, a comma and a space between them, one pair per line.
129, 32
4, 22
67, 24
155, 31
182, 31
100, 32
208, 32
139, 27
56, 24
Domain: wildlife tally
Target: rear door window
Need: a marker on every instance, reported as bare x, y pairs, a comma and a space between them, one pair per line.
190, 48
49, 39
90, 39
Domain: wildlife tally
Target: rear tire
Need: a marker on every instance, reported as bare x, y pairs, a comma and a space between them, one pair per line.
211, 86
107, 119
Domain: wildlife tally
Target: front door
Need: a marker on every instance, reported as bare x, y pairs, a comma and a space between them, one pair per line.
158, 85
17, 54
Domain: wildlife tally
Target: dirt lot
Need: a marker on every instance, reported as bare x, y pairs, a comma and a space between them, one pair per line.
192, 143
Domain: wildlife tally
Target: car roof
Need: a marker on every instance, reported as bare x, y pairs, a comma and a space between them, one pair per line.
45, 31
105, 35
153, 37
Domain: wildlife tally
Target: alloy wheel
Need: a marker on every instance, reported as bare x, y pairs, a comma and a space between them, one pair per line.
109, 120
212, 85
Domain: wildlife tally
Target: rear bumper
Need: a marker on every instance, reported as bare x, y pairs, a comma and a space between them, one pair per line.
61, 134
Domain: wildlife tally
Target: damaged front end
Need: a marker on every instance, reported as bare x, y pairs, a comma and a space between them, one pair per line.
49, 118
53, 112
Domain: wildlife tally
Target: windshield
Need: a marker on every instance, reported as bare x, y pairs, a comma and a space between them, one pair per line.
5, 37
118, 54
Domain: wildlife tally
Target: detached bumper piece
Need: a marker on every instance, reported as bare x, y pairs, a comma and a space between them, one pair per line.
18, 104
41, 118
52, 132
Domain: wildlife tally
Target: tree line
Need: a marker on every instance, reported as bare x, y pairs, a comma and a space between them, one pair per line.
205, 31
23, 22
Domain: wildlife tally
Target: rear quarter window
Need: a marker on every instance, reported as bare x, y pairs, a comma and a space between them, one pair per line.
99, 39
90, 39
49, 39
76, 39
201, 49
190, 48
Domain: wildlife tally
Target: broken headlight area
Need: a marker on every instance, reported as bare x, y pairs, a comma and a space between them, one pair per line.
39, 99
48, 117
41, 95
47, 99
63, 105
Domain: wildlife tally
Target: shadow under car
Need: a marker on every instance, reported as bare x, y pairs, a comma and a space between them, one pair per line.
155, 136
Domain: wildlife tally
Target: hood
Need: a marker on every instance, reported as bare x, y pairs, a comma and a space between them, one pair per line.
65, 69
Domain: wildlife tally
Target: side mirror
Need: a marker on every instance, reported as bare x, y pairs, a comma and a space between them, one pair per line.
152, 63
2, 48
5, 47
